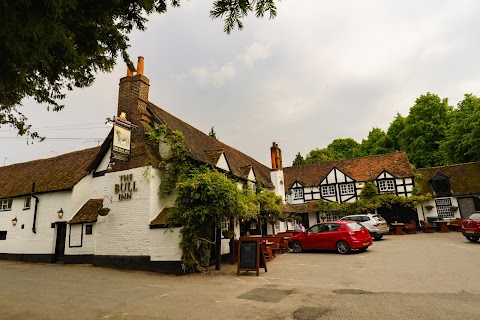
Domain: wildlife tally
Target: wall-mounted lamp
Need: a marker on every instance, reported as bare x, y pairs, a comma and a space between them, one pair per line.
14, 221
60, 213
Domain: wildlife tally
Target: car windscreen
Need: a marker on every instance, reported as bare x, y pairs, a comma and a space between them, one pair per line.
354, 226
378, 218
475, 216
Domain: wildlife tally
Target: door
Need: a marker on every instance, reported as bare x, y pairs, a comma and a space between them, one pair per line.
60, 241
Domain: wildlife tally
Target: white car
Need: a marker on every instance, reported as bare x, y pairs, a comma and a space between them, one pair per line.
376, 225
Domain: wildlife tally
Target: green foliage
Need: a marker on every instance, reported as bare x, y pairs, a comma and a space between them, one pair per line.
425, 130
319, 155
298, 160
235, 10
343, 148
462, 143
204, 197
369, 201
48, 46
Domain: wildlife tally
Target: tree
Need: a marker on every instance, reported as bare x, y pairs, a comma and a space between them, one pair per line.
298, 160
462, 143
394, 133
319, 155
343, 148
376, 143
48, 46
425, 130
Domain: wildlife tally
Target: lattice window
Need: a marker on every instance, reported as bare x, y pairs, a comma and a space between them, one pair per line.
331, 216
443, 202
445, 212
347, 188
386, 185
298, 193
328, 191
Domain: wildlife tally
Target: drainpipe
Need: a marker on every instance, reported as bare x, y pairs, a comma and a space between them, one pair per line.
34, 229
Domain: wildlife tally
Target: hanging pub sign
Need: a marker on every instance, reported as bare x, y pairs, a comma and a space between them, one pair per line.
122, 130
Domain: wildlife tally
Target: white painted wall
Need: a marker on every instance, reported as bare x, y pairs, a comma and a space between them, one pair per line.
24, 240
278, 182
164, 244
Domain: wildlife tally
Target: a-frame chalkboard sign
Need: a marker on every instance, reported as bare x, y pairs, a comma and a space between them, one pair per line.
250, 255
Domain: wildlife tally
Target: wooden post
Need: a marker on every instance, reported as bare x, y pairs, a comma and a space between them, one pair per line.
218, 247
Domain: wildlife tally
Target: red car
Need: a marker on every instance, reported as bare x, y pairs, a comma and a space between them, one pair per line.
471, 227
342, 236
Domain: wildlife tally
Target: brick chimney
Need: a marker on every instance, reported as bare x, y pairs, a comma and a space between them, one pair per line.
276, 156
133, 100
133, 95
276, 173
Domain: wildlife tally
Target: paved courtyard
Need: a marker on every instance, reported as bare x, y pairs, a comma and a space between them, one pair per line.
421, 276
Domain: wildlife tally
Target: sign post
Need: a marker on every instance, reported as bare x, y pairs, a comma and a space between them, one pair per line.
250, 255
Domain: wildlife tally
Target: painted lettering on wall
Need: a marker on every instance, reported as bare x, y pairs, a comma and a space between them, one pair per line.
126, 187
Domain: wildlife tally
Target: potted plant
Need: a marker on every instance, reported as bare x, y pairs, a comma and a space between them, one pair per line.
103, 211
429, 207
454, 208
227, 234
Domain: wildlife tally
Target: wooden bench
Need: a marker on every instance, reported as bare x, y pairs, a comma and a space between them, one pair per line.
456, 224
426, 227
410, 227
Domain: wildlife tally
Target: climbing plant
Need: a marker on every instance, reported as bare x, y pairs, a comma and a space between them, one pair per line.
204, 197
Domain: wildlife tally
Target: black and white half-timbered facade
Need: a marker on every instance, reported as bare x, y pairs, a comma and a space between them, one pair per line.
342, 181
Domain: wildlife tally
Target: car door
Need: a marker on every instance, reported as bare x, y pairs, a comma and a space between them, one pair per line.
331, 235
312, 238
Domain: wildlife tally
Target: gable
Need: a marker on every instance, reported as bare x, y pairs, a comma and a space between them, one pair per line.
384, 175
336, 176
222, 163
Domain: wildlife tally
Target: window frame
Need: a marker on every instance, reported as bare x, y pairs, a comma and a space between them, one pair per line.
6, 204
88, 229
384, 184
27, 203
331, 190
349, 188
298, 193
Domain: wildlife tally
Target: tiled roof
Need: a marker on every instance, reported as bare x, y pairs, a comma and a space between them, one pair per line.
359, 169
88, 212
464, 178
161, 220
53, 174
205, 148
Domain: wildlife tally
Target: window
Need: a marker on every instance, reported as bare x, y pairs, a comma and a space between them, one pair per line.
328, 191
6, 204
298, 193
3, 235
331, 216
277, 226
225, 224
347, 188
386, 185
444, 208
88, 229
26, 203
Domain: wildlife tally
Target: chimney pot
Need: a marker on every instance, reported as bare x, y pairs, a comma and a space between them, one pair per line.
129, 72
140, 65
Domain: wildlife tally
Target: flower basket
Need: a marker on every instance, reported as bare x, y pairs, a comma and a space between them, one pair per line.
103, 211
454, 208
429, 207
227, 234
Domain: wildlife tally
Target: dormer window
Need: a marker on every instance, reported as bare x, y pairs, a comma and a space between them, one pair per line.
440, 184
347, 188
386, 185
298, 193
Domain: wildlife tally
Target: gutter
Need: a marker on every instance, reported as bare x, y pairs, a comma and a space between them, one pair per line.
34, 229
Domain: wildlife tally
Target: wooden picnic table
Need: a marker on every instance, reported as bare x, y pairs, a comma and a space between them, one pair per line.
398, 228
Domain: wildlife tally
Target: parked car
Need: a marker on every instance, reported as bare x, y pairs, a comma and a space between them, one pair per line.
471, 227
342, 236
375, 223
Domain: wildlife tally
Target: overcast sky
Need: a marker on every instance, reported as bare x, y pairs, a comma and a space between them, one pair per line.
321, 70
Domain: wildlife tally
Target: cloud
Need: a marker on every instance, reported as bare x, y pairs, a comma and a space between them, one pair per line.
255, 52
217, 76
213, 76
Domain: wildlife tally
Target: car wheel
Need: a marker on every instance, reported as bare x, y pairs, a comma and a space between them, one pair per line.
380, 236
472, 239
297, 247
343, 247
